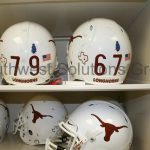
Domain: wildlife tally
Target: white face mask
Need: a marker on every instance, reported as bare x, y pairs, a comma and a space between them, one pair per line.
67, 140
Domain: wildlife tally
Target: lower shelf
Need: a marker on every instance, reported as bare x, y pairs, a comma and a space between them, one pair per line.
13, 142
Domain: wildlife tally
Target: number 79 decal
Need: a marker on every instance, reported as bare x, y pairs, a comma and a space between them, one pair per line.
36, 66
103, 67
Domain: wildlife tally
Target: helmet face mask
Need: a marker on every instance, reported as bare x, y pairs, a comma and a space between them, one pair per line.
67, 141
99, 52
28, 54
94, 125
18, 123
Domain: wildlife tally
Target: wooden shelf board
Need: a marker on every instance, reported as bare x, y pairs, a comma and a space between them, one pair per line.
61, 1
67, 88
12, 142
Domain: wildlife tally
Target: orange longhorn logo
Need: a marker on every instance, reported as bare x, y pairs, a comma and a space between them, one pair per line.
109, 128
37, 115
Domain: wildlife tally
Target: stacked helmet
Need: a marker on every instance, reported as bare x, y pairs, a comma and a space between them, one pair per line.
99, 52
4, 120
27, 54
39, 120
95, 125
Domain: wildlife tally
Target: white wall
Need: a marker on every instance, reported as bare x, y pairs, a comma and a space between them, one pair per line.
138, 103
138, 108
139, 33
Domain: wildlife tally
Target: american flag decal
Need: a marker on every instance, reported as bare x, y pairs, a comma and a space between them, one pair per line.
127, 57
46, 57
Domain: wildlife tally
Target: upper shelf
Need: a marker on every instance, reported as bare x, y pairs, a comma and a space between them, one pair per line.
46, 1
63, 88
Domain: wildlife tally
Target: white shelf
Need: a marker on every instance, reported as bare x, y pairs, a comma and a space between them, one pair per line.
12, 142
56, 1
63, 88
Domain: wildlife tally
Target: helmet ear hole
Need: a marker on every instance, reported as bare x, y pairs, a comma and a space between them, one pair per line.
30, 132
92, 139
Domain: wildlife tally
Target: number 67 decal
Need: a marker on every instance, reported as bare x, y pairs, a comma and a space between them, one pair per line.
103, 67
36, 66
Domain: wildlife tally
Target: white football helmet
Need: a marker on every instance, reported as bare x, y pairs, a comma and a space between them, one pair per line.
4, 120
99, 52
39, 120
95, 125
27, 54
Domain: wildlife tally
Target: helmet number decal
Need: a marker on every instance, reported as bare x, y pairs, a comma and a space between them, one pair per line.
98, 64
103, 67
17, 58
36, 66
31, 60
119, 56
